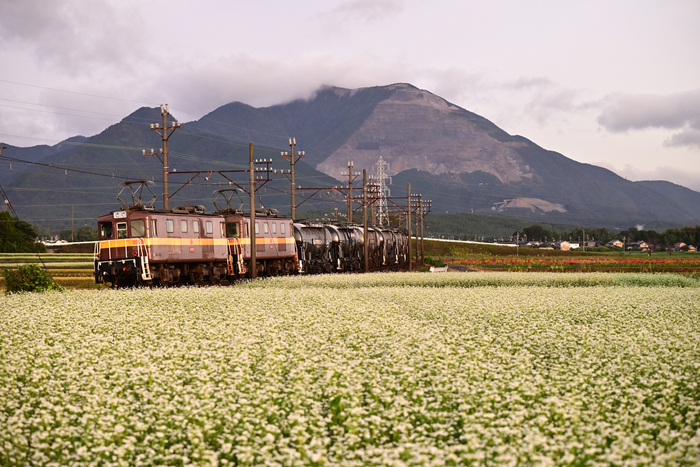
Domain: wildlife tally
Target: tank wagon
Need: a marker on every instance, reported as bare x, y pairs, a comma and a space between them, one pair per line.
186, 245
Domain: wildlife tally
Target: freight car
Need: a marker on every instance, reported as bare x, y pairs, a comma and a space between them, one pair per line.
185, 245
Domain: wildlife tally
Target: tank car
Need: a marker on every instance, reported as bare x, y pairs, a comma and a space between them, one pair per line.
314, 244
326, 248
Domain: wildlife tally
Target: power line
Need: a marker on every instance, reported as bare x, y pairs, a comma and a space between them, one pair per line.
56, 107
75, 92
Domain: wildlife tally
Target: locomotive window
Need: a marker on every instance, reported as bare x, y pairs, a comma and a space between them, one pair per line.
257, 228
106, 230
274, 228
233, 230
195, 226
266, 228
170, 225
154, 228
183, 226
121, 230
210, 227
138, 228
282, 229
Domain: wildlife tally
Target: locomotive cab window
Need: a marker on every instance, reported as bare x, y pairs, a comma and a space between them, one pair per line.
170, 225
266, 228
210, 227
106, 230
121, 230
195, 226
274, 228
138, 228
282, 229
233, 230
154, 228
257, 228
183, 226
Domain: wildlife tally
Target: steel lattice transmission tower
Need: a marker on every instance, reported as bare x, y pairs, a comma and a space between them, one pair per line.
380, 169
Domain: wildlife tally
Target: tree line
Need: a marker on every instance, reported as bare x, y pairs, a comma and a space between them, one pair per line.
667, 239
17, 236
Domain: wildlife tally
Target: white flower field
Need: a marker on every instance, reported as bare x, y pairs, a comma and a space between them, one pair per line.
379, 369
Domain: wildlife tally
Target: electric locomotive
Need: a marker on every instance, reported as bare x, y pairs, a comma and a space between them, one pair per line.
138, 246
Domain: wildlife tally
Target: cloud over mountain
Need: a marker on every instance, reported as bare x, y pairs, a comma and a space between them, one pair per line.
679, 111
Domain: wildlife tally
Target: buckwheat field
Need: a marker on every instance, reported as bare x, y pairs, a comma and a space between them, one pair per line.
377, 369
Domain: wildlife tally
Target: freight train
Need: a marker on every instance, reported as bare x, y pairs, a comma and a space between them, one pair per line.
141, 246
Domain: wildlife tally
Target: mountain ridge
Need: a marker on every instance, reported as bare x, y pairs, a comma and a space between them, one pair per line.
456, 158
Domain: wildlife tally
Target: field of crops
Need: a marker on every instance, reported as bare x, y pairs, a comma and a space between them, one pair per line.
74, 270
377, 369
602, 263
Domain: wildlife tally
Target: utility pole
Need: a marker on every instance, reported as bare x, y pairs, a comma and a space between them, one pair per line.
293, 158
165, 131
408, 224
422, 251
351, 176
415, 203
372, 196
253, 246
5, 198
364, 217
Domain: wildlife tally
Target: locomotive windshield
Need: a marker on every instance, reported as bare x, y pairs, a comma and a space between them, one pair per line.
106, 230
138, 228
233, 230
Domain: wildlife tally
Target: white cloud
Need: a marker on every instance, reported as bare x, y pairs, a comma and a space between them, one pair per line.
678, 111
363, 10
689, 137
76, 37
688, 177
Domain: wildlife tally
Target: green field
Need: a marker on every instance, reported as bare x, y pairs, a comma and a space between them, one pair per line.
73, 270
375, 369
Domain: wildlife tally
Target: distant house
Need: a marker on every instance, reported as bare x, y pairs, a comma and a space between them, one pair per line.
692, 248
640, 245
617, 243
678, 246
563, 246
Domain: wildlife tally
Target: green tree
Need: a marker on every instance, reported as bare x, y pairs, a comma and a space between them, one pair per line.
66, 235
29, 278
85, 234
537, 233
17, 236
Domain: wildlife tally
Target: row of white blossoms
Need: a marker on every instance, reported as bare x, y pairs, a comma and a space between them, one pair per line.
380, 369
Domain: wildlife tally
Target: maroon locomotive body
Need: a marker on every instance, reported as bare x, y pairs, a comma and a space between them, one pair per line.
186, 245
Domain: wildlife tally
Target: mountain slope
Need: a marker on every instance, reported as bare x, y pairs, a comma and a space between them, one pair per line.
435, 145
54, 197
460, 161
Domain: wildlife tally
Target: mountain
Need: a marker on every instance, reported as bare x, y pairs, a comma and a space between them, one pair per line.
682, 196
459, 160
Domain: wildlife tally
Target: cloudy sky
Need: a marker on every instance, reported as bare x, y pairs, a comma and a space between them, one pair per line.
614, 83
